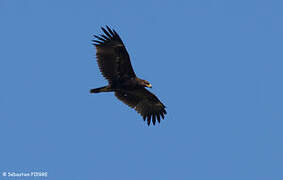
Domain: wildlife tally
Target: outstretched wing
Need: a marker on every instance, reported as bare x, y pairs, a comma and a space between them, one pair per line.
144, 102
112, 57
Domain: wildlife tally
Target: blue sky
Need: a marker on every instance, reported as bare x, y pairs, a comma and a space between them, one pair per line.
216, 65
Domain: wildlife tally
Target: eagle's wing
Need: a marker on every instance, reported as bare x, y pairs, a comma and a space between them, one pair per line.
112, 57
144, 102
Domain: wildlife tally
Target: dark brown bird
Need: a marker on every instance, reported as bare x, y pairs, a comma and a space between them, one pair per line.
115, 65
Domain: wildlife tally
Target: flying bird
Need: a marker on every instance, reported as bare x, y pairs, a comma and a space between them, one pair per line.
115, 65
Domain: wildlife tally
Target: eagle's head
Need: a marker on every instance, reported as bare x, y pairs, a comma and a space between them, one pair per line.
146, 84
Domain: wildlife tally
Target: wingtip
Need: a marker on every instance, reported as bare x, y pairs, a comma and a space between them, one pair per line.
148, 120
102, 27
144, 117
158, 118
96, 43
109, 29
107, 26
153, 119
162, 115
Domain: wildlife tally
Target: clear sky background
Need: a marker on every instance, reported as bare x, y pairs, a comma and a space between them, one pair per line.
216, 65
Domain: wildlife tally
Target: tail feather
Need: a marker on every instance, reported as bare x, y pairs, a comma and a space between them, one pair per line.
101, 89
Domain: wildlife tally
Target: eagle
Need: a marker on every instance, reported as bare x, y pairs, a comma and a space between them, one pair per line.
115, 65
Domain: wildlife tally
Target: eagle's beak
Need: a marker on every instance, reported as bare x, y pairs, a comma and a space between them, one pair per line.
149, 85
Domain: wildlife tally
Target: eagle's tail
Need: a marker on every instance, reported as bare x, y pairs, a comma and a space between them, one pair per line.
101, 89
